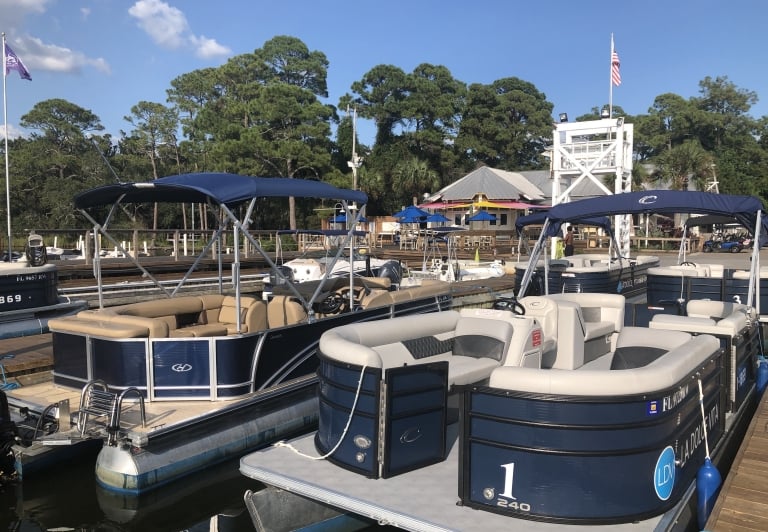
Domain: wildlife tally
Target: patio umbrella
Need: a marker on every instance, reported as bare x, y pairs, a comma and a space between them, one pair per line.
437, 218
411, 211
342, 219
482, 216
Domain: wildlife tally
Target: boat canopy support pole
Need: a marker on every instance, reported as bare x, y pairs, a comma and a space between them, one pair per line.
200, 256
533, 258
754, 267
101, 229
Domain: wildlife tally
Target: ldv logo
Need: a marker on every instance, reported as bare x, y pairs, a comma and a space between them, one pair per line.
181, 368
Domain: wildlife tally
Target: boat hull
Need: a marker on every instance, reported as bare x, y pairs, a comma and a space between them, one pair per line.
603, 459
629, 281
29, 298
209, 440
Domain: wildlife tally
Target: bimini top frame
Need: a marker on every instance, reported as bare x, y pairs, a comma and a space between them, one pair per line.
221, 191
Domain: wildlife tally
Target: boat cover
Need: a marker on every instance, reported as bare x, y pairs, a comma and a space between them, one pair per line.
742, 209
553, 229
220, 188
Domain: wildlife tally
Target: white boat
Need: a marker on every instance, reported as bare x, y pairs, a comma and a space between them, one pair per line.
446, 266
29, 294
333, 262
169, 386
548, 411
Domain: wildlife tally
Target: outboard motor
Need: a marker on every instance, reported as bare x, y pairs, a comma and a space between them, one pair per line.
275, 280
35, 250
393, 271
7, 437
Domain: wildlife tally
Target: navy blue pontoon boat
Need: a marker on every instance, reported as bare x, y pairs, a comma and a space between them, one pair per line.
174, 384
546, 411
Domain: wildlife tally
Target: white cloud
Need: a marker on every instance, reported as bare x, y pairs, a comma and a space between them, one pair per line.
168, 27
205, 48
42, 56
85, 12
13, 132
13, 12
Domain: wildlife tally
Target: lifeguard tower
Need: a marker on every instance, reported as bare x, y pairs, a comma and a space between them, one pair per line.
598, 150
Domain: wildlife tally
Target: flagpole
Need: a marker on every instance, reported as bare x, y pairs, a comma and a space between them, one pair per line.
7, 166
610, 81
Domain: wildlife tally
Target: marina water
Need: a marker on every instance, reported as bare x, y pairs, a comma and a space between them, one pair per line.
68, 498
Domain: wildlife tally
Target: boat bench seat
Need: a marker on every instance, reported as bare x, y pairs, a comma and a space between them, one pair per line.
473, 346
95, 327
187, 316
679, 271
661, 368
429, 287
720, 318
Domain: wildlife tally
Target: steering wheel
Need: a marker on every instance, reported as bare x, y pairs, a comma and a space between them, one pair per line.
333, 303
688, 263
357, 294
511, 304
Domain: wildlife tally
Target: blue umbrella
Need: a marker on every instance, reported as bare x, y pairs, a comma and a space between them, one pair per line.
482, 216
342, 219
411, 211
437, 218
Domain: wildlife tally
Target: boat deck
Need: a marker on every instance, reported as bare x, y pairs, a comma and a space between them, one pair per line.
741, 504
422, 500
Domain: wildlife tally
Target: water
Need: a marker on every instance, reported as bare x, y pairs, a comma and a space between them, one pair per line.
68, 498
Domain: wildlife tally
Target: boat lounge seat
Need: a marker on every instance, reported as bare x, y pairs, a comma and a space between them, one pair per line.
472, 346
664, 372
704, 316
186, 316
285, 310
577, 327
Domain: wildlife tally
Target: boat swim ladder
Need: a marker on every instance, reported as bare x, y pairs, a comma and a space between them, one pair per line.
96, 399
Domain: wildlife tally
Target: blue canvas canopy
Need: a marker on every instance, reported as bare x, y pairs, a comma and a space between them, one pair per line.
220, 188
742, 209
553, 229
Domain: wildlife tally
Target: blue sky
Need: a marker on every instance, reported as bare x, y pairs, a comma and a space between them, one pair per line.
107, 55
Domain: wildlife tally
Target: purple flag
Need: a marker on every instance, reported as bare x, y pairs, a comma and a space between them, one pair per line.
12, 62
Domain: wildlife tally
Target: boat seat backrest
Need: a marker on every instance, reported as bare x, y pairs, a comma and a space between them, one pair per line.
597, 307
285, 310
637, 346
478, 337
706, 308
662, 373
676, 271
571, 332
221, 309
370, 343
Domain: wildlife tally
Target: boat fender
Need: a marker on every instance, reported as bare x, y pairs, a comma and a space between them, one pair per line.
708, 478
708, 482
762, 374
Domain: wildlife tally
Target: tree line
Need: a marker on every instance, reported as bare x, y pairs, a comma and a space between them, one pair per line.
263, 114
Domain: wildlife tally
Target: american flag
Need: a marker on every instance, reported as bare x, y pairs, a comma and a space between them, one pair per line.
615, 72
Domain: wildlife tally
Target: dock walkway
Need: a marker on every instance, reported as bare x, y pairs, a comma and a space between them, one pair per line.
742, 504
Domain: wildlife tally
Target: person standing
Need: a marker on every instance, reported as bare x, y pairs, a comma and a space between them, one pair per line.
568, 241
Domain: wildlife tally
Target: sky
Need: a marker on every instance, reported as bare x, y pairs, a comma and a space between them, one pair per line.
108, 55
